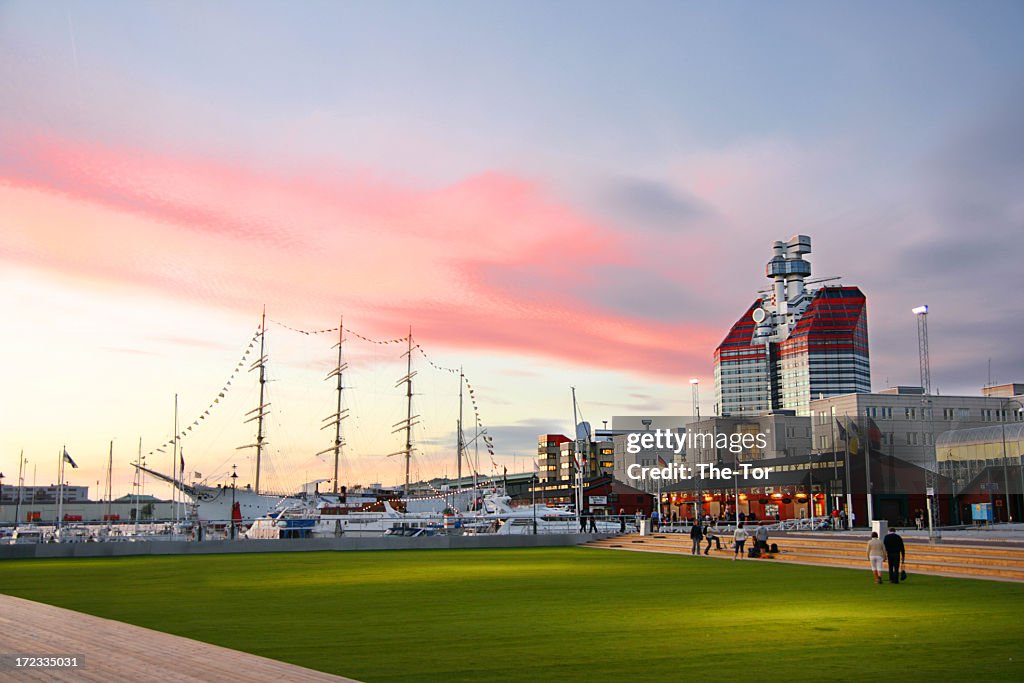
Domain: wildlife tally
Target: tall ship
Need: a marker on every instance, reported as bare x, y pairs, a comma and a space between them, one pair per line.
207, 502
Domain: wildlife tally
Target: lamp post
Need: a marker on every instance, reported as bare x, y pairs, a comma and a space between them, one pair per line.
1006, 469
695, 396
234, 479
931, 469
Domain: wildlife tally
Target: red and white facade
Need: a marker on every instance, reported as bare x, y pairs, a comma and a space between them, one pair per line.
793, 344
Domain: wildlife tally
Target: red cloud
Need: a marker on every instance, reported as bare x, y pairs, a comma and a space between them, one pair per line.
456, 262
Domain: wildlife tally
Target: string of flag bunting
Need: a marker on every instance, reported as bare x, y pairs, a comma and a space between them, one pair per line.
487, 439
221, 394
328, 330
443, 495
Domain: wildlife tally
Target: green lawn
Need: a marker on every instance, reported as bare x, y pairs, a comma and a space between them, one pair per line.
560, 614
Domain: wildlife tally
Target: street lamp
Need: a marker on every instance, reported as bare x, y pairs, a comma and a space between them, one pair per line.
931, 469
695, 396
1006, 471
234, 479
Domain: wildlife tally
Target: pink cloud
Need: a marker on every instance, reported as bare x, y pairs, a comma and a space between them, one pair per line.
456, 262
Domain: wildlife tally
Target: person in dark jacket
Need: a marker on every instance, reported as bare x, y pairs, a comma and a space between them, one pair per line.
696, 534
896, 554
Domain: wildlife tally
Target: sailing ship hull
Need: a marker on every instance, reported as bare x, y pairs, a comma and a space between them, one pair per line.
213, 504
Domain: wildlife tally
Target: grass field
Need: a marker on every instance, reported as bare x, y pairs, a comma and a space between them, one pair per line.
561, 614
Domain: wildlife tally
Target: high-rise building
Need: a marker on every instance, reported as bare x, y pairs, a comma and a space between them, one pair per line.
794, 343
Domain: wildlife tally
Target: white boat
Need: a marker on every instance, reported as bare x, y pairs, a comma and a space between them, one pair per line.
548, 520
75, 533
25, 535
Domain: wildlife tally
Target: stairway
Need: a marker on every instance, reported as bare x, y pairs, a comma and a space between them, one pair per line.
998, 563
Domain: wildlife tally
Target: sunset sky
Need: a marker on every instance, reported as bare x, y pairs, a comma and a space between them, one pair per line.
551, 194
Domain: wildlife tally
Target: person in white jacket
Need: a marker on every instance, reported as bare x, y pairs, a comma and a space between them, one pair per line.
739, 538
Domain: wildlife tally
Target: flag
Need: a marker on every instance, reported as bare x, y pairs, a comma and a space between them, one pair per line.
874, 435
854, 437
68, 460
182, 465
842, 430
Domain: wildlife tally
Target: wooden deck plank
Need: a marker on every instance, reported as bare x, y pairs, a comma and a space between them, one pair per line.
114, 651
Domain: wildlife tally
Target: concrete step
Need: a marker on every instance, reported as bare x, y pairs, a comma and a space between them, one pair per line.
917, 547
919, 567
1007, 556
848, 555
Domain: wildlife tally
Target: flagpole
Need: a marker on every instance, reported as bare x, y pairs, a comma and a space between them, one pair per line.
60, 485
867, 472
21, 487
849, 491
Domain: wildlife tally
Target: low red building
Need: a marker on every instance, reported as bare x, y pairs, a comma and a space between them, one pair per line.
605, 495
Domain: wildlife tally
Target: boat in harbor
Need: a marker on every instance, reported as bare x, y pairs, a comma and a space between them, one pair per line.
254, 512
24, 535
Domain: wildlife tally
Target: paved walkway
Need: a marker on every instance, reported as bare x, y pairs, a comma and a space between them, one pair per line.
113, 651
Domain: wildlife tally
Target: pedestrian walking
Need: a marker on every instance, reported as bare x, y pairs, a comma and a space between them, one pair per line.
842, 519
622, 520
583, 522
876, 556
896, 554
655, 520
710, 535
739, 538
695, 536
593, 522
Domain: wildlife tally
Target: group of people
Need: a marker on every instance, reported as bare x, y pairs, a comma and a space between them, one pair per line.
890, 551
587, 517
840, 521
704, 532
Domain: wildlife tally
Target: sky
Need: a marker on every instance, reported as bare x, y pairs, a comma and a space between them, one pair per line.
551, 195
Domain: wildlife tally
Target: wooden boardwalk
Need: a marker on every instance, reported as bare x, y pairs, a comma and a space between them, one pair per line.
114, 651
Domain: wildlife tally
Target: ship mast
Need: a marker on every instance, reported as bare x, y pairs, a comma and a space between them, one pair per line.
261, 409
339, 414
407, 424
174, 462
110, 478
459, 455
